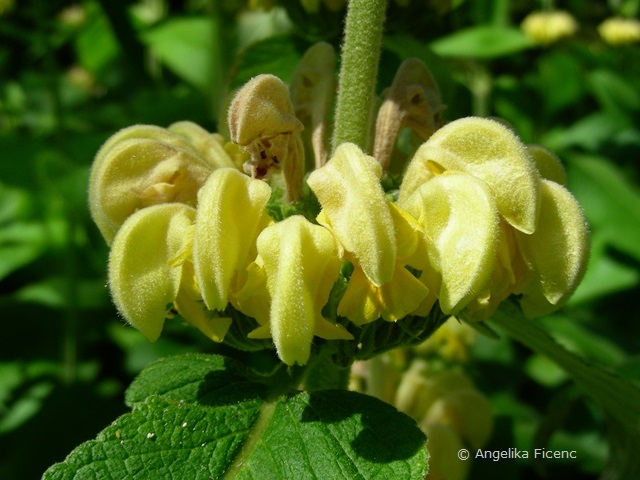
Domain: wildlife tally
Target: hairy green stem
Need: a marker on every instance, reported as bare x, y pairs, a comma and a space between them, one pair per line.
358, 72
616, 395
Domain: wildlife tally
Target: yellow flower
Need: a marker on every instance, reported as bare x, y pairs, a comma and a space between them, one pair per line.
494, 220
556, 253
231, 214
450, 410
488, 151
147, 165
459, 217
620, 31
296, 267
549, 27
150, 268
367, 227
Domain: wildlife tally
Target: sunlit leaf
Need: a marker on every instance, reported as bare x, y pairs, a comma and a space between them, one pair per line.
185, 45
610, 202
196, 416
484, 42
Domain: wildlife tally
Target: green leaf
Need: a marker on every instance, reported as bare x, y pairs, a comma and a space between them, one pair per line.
604, 275
185, 46
560, 81
200, 417
592, 132
617, 396
278, 55
20, 244
483, 42
611, 203
578, 339
96, 46
614, 92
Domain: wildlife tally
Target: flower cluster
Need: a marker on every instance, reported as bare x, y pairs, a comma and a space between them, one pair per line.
450, 410
479, 216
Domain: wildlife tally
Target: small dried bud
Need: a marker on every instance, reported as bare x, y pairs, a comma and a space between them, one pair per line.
413, 101
262, 120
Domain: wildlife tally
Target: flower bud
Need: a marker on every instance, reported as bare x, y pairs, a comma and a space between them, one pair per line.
413, 101
262, 120
546, 28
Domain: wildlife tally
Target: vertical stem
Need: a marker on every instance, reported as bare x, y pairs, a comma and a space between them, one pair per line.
359, 71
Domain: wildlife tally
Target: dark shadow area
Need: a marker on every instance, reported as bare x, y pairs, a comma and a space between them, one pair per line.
386, 435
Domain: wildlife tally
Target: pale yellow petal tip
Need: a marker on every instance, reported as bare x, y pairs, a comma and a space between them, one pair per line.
331, 331
363, 302
548, 164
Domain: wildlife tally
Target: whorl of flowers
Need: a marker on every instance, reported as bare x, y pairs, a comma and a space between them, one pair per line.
230, 235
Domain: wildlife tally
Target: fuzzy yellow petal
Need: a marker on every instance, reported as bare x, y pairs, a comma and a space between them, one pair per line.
556, 253
137, 173
301, 265
458, 215
141, 278
363, 302
491, 152
253, 299
355, 209
508, 276
231, 214
548, 164
190, 306
211, 146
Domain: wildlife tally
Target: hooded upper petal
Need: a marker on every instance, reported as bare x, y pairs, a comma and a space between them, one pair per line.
458, 215
142, 278
355, 209
231, 215
486, 150
556, 253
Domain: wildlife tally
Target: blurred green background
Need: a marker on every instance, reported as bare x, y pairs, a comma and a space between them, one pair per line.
73, 73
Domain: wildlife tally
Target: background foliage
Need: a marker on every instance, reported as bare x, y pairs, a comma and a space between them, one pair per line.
72, 73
